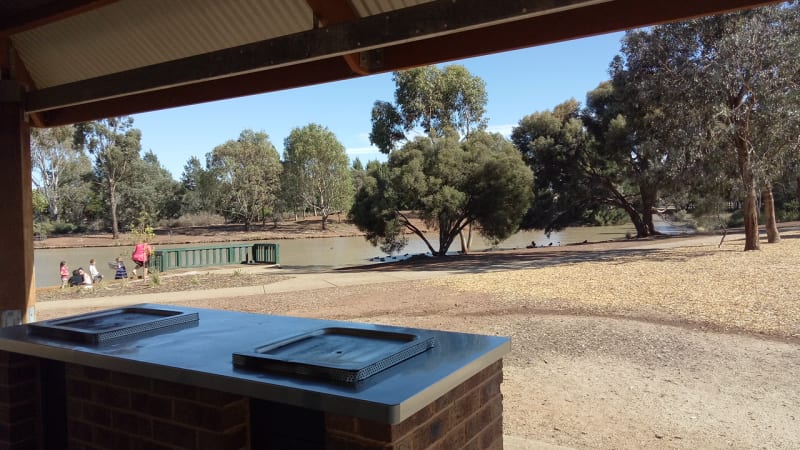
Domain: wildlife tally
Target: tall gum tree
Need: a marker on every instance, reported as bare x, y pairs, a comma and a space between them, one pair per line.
248, 171
316, 165
115, 145
51, 153
731, 73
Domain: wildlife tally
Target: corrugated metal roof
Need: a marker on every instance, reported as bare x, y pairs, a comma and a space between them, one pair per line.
91, 45
96, 58
371, 7
72, 50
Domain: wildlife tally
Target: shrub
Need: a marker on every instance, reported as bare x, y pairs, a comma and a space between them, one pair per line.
65, 228
788, 212
736, 219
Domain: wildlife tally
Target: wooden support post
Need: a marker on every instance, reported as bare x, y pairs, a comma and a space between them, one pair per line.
17, 285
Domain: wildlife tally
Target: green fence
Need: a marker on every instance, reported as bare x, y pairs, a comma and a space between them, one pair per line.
218, 255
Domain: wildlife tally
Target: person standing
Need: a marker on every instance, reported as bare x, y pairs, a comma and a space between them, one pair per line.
141, 256
122, 272
95, 274
64, 274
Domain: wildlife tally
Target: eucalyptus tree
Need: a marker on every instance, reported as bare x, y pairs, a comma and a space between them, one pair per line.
152, 193
191, 198
578, 172
316, 164
115, 145
51, 153
248, 171
447, 184
291, 198
357, 172
736, 76
79, 198
433, 100
200, 190
631, 127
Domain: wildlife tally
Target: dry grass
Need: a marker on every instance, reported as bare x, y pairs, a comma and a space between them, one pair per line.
724, 288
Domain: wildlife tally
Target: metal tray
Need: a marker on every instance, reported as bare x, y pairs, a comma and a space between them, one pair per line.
341, 354
102, 326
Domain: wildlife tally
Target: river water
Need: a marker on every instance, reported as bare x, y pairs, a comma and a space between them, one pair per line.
324, 253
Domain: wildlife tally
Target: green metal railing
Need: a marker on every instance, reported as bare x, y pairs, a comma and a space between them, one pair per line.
218, 255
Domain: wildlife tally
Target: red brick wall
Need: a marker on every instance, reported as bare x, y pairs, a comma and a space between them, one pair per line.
468, 417
114, 410
87, 408
19, 402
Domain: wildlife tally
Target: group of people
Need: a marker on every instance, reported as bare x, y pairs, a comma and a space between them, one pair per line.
140, 256
79, 276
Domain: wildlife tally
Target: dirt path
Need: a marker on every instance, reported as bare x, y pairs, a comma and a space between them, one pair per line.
594, 382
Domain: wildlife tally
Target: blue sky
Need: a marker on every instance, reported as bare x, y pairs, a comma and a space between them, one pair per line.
518, 83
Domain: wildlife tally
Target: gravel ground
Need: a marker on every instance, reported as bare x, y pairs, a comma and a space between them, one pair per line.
615, 345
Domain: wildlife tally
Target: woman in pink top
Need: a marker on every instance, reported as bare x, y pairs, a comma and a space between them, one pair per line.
141, 256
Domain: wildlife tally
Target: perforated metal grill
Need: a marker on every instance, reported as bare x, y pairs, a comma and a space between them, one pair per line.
103, 326
269, 358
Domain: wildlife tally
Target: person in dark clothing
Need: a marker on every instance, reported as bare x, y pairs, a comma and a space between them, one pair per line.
121, 272
76, 279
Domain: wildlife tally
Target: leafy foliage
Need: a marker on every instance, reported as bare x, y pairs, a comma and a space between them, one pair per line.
447, 184
436, 100
152, 192
115, 145
729, 85
558, 149
52, 154
316, 170
248, 172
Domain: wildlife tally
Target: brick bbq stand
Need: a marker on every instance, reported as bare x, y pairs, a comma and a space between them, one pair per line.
177, 388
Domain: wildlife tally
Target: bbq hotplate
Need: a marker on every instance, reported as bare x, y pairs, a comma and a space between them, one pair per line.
341, 354
103, 326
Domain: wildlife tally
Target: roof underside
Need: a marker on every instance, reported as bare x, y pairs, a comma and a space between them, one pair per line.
86, 59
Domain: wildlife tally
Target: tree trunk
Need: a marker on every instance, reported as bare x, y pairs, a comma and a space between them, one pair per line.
247, 224
619, 200
770, 223
749, 185
446, 238
324, 221
466, 243
112, 198
751, 221
648, 196
636, 219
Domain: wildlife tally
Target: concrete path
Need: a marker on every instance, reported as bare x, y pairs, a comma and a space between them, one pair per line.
299, 281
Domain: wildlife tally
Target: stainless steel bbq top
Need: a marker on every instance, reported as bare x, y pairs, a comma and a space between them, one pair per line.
102, 326
202, 356
340, 354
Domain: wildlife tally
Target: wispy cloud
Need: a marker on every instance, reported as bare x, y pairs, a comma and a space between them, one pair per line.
505, 130
365, 154
362, 150
363, 138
